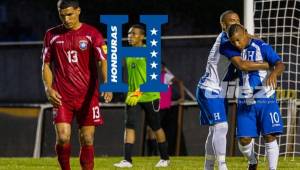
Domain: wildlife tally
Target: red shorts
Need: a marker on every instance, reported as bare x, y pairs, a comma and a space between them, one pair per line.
87, 112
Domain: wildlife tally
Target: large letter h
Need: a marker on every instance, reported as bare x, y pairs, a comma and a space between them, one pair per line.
116, 52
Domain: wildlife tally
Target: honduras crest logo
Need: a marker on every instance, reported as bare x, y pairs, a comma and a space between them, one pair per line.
116, 52
83, 44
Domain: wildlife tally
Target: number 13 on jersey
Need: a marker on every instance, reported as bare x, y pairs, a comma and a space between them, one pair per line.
96, 112
72, 56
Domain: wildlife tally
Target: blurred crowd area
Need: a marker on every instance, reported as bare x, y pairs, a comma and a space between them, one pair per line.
27, 20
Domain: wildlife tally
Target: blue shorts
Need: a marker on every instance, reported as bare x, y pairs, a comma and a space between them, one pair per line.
212, 110
263, 117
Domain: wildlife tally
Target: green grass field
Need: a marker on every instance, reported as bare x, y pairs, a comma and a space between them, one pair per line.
140, 163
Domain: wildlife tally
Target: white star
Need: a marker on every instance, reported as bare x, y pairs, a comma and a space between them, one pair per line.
153, 76
153, 65
153, 42
153, 31
153, 53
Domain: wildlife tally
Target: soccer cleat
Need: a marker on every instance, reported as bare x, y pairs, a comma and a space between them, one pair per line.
123, 164
162, 163
252, 166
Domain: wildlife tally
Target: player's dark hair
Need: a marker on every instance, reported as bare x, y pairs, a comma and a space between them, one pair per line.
234, 28
140, 27
224, 14
62, 4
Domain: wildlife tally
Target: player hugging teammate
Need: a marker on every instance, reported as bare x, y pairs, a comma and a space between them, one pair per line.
252, 58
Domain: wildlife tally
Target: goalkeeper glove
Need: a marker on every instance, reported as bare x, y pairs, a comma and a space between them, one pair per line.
133, 98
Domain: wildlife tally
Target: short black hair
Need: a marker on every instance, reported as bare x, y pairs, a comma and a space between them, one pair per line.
138, 26
62, 4
224, 14
232, 29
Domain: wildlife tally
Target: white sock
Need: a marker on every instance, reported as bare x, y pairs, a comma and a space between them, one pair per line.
272, 150
248, 152
221, 162
209, 151
219, 144
209, 162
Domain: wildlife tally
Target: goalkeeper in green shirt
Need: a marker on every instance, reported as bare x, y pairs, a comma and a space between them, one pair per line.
148, 101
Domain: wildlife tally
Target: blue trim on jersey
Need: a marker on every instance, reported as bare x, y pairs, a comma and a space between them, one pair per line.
232, 72
228, 50
224, 37
203, 79
267, 52
258, 50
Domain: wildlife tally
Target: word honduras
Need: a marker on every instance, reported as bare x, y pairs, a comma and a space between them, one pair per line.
114, 57
116, 52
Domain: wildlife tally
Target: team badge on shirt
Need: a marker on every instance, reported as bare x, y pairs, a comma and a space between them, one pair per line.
83, 44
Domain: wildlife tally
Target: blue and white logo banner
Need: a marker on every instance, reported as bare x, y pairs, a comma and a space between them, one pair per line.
116, 52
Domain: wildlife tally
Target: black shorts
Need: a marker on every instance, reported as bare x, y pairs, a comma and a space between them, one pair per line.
151, 113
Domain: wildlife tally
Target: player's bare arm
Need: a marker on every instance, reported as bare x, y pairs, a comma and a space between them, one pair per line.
278, 70
103, 67
52, 95
245, 65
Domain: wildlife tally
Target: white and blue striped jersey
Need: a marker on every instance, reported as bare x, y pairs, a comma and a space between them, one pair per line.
253, 81
217, 66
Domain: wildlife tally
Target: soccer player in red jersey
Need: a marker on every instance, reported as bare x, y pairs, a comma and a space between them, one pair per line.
72, 53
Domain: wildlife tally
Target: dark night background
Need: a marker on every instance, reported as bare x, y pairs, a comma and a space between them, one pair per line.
20, 66
27, 20
24, 23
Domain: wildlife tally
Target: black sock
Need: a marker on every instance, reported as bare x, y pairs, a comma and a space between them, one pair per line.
152, 147
163, 149
127, 152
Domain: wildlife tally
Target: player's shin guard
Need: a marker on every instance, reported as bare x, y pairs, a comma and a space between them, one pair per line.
163, 149
63, 155
248, 152
272, 150
127, 151
151, 147
209, 151
87, 157
219, 143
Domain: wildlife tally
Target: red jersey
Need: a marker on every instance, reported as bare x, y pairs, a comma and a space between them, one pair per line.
74, 55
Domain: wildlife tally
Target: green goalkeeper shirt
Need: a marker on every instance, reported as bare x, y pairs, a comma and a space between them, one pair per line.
136, 67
